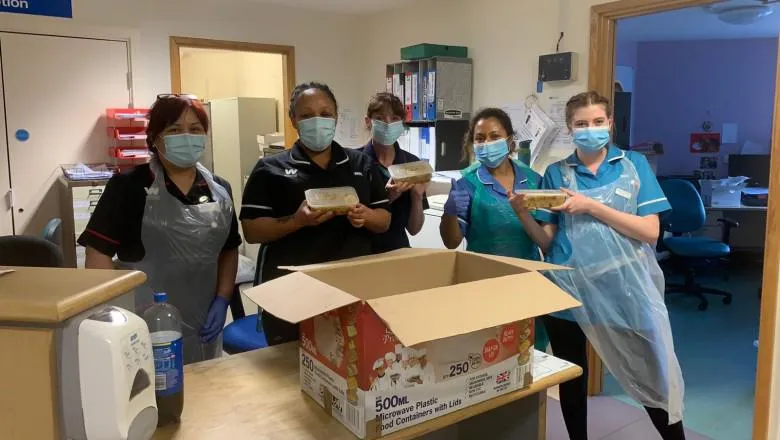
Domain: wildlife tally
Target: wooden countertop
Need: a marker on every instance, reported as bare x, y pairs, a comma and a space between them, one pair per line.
256, 395
46, 295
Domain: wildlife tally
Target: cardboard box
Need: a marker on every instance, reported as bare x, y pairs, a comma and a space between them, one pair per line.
392, 340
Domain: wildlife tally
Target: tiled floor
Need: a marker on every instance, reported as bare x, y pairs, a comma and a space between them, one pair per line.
608, 419
718, 401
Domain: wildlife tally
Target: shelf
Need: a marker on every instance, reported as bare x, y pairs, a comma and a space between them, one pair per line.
127, 134
129, 153
126, 117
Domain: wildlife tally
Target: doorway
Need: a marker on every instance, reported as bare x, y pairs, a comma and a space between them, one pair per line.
601, 72
242, 52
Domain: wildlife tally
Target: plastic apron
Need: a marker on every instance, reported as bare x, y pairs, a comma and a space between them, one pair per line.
495, 229
182, 244
621, 287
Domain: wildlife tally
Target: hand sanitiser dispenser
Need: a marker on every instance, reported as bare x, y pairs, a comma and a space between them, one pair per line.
107, 376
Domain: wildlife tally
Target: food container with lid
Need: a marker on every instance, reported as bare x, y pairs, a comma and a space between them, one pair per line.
412, 172
542, 198
339, 200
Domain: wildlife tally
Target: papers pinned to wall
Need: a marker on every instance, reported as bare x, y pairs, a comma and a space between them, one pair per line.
533, 124
349, 129
556, 108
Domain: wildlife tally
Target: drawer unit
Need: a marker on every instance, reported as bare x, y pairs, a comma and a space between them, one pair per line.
79, 200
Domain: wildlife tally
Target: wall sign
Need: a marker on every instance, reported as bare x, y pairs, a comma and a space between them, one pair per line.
48, 8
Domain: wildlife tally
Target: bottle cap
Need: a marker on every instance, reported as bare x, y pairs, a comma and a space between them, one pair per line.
160, 297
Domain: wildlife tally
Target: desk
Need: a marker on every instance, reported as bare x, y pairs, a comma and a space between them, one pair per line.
256, 395
736, 208
751, 233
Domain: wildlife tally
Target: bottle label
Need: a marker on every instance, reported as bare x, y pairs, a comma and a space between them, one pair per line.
168, 367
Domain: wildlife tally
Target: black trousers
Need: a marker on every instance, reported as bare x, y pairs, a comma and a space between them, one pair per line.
568, 342
278, 331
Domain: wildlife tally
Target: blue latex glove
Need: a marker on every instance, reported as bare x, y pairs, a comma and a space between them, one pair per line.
458, 203
215, 320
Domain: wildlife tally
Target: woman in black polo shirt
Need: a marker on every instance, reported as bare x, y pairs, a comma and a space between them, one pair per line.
173, 220
384, 118
275, 212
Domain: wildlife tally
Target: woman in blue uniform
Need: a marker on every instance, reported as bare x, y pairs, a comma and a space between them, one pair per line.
384, 117
606, 231
478, 207
274, 211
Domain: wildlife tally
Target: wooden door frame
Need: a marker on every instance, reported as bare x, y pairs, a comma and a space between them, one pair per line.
603, 20
288, 66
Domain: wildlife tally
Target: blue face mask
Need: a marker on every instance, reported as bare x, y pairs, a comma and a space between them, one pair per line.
184, 150
591, 139
317, 133
386, 134
492, 154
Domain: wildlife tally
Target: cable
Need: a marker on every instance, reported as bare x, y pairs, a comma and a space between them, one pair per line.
558, 45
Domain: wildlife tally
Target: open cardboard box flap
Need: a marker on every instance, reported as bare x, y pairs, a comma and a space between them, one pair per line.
421, 294
297, 297
432, 314
351, 262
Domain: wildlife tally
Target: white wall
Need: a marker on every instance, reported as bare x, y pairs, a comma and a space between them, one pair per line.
504, 40
325, 47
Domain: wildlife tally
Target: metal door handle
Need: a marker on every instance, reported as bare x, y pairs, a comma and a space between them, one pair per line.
443, 149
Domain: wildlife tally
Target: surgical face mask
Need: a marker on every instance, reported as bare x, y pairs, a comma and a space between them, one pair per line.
184, 150
591, 139
386, 134
491, 154
317, 133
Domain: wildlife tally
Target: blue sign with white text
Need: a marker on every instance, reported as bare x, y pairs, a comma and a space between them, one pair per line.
48, 8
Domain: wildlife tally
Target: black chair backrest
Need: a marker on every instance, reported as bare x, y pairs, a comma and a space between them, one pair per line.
29, 251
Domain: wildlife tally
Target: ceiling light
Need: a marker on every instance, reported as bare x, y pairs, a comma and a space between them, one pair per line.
745, 14
740, 12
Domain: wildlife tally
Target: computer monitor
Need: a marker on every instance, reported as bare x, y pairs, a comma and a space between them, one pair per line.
755, 166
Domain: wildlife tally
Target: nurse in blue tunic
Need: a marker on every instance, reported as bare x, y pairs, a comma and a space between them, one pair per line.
478, 207
606, 232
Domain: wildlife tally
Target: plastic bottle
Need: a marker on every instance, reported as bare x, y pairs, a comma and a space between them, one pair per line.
164, 322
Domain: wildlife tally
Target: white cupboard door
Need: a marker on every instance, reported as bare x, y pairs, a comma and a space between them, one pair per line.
6, 216
57, 90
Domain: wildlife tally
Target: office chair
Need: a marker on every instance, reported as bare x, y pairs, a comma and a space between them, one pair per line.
29, 251
53, 231
687, 216
243, 333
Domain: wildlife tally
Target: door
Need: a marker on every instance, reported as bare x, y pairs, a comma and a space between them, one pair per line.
6, 215
57, 90
449, 144
623, 119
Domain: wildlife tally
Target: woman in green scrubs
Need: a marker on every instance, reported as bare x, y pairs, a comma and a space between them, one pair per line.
478, 207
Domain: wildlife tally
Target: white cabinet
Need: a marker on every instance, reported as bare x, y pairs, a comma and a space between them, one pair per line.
429, 236
235, 124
